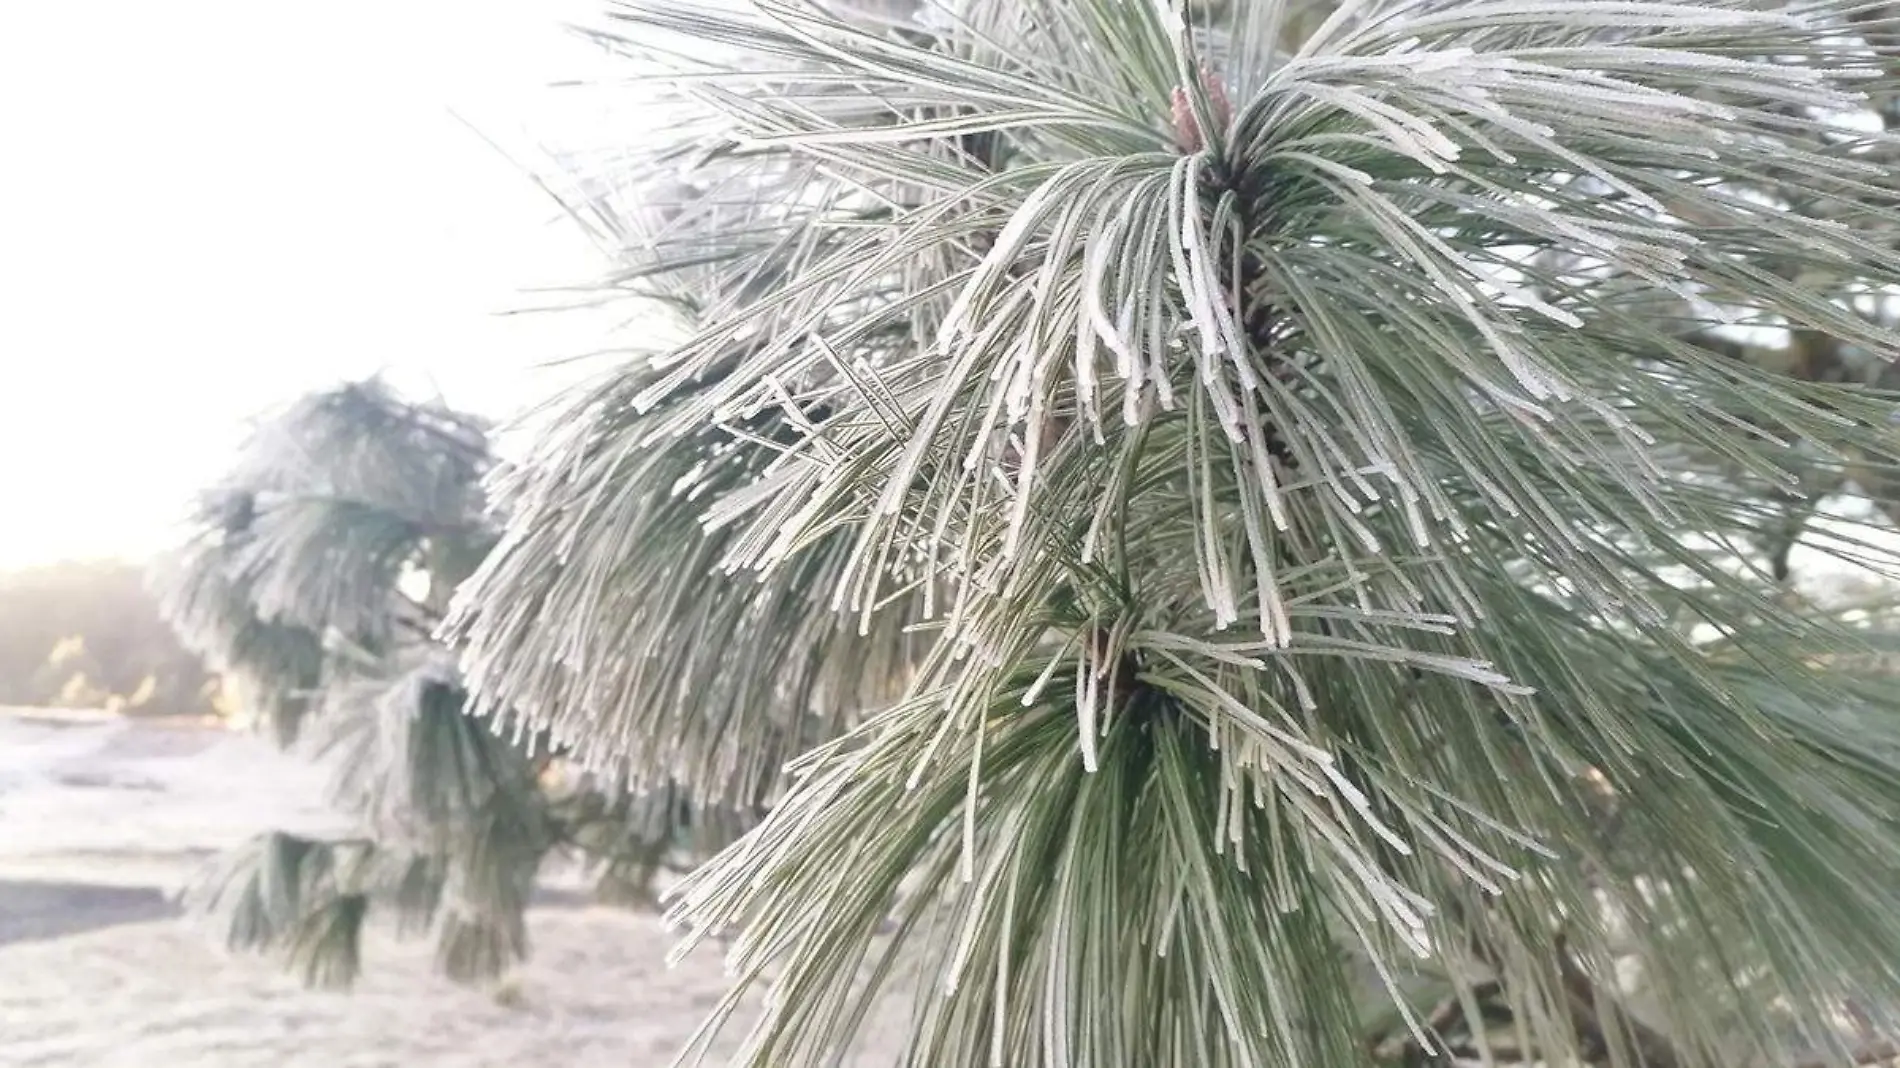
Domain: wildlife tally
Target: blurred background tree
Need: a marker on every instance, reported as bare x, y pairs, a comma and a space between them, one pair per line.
314, 578
88, 634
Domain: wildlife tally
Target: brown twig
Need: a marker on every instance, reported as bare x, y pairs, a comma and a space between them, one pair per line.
1877, 1053
1444, 1019
1653, 1048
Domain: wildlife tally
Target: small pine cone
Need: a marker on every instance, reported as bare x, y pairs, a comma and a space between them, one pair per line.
1187, 132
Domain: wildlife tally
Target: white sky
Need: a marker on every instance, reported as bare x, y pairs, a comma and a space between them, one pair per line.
209, 206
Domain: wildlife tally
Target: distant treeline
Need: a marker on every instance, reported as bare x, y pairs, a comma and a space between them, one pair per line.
87, 635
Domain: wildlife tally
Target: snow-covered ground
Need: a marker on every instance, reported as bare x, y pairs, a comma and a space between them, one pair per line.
156, 995
96, 816
101, 799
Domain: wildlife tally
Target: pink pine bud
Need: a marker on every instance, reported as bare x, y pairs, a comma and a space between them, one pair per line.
1187, 132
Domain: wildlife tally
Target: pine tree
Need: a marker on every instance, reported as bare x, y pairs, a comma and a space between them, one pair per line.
1248, 533
314, 579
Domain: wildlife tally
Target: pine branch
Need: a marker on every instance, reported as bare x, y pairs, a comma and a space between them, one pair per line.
1246, 476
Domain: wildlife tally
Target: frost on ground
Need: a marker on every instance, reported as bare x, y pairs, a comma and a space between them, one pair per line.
597, 992
130, 803
101, 820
